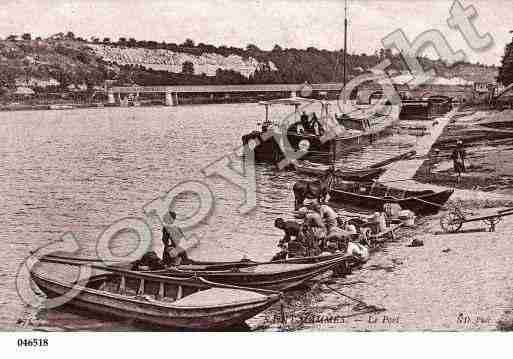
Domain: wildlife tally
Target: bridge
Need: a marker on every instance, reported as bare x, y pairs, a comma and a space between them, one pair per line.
364, 92
171, 92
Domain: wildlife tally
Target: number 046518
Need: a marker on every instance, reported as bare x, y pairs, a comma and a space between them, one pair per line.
33, 342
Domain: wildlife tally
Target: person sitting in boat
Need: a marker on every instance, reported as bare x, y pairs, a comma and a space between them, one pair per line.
171, 235
314, 229
314, 125
291, 229
149, 261
328, 214
304, 120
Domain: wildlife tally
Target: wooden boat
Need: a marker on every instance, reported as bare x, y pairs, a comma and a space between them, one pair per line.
191, 303
315, 169
425, 109
278, 275
374, 195
276, 141
198, 265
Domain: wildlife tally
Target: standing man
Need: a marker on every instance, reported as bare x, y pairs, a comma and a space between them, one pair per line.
458, 158
171, 235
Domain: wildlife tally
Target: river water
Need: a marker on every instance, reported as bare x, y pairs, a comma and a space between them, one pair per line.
81, 170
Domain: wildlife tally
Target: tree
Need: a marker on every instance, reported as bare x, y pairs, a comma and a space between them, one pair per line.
188, 68
132, 42
506, 69
106, 40
70, 35
252, 48
277, 48
122, 40
12, 37
26, 36
188, 43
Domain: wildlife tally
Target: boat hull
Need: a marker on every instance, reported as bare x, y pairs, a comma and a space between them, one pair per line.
421, 204
363, 175
269, 149
193, 317
272, 280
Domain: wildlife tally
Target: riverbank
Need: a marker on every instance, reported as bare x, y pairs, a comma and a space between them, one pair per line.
488, 139
455, 281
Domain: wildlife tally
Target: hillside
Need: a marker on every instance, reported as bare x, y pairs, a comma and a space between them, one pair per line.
65, 62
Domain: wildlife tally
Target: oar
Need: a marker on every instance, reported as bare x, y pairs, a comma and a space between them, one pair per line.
360, 302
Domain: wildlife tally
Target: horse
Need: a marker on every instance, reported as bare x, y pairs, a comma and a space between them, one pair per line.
317, 189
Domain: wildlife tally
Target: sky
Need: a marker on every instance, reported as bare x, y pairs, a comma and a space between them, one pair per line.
289, 23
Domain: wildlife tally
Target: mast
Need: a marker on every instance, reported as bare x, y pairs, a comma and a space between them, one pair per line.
345, 44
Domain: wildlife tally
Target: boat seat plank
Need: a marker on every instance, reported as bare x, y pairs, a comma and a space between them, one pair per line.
122, 285
217, 296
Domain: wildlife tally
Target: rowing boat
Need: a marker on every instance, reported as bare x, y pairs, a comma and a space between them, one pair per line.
347, 174
277, 275
196, 264
190, 303
373, 195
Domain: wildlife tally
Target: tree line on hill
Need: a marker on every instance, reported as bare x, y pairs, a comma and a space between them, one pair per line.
69, 60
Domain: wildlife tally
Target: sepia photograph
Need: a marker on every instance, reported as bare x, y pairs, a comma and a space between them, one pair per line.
242, 166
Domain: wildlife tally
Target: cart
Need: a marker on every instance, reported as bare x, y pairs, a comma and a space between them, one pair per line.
452, 221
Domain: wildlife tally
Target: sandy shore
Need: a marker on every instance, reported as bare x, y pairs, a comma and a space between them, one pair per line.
455, 282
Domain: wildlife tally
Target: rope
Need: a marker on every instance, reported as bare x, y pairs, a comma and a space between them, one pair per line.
360, 302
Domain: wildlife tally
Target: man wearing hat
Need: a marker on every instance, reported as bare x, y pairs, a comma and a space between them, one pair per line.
171, 236
458, 158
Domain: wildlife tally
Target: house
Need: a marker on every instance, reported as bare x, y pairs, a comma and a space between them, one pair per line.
23, 92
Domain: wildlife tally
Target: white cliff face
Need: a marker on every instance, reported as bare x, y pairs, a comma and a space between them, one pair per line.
166, 60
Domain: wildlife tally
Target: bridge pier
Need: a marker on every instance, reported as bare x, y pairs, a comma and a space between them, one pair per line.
170, 101
111, 98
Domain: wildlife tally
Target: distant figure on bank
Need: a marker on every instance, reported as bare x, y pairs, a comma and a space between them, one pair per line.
171, 235
458, 158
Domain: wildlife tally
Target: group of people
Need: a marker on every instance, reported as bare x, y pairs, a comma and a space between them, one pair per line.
308, 124
321, 230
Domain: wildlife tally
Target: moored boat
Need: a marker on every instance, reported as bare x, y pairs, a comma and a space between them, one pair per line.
278, 275
425, 109
184, 302
315, 169
276, 140
374, 195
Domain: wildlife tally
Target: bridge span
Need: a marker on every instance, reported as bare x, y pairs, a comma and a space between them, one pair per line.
171, 92
364, 92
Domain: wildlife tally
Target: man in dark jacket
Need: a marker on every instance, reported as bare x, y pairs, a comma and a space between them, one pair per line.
171, 237
458, 158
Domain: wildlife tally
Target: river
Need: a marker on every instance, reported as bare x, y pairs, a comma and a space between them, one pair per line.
81, 170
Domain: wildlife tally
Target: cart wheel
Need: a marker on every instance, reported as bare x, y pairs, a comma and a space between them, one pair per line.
451, 222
